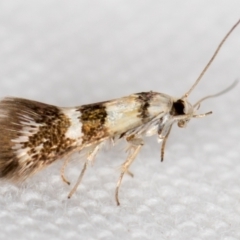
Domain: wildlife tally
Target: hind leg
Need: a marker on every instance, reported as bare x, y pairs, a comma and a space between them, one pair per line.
90, 159
136, 145
63, 170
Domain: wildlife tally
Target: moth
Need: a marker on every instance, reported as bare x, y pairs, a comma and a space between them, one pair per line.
35, 134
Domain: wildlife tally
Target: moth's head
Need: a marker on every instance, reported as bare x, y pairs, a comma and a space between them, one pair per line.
182, 111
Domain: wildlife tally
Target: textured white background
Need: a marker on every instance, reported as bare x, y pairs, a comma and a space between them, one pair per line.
73, 52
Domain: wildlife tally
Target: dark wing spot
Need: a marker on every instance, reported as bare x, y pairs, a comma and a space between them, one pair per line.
144, 98
93, 117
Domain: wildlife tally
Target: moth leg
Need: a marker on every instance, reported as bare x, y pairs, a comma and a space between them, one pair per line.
137, 144
90, 158
130, 173
129, 149
164, 143
63, 170
92, 154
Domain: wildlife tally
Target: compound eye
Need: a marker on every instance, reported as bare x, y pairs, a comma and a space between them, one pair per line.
178, 108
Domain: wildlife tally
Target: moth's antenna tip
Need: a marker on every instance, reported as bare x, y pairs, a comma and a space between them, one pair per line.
235, 83
211, 60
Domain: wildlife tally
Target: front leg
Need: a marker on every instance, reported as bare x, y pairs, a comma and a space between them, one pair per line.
135, 146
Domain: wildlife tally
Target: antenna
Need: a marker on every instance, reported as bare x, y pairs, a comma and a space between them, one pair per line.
217, 94
211, 60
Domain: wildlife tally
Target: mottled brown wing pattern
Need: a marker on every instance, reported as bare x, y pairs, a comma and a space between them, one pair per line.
32, 137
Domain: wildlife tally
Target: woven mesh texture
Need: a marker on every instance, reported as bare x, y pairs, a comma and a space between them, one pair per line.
70, 53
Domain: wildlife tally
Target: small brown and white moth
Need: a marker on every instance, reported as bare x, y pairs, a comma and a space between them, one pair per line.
34, 134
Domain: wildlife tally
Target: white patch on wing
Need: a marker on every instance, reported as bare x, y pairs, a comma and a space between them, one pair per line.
20, 152
75, 129
160, 103
29, 128
122, 115
3, 114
